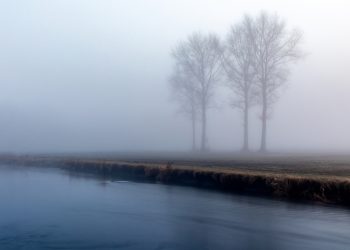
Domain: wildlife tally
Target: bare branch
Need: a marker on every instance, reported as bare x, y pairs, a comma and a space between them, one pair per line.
197, 73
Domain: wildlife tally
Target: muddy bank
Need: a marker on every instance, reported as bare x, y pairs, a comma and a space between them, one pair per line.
291, 186
322, 189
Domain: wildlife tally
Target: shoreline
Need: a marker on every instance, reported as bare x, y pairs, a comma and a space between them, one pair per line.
279, 182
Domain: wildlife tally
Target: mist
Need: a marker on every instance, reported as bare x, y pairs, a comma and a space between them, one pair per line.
82, 76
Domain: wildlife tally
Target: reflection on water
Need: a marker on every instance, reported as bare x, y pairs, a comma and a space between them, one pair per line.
50, 209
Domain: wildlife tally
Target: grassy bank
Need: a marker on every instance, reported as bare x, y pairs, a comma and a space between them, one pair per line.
322, 181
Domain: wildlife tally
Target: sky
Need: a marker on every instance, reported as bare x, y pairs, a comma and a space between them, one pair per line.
84, 75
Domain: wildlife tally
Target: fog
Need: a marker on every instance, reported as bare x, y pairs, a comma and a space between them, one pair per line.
80, 76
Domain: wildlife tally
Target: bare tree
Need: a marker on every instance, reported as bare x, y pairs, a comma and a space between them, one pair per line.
183, 90
274, 48
238, 65
199, 57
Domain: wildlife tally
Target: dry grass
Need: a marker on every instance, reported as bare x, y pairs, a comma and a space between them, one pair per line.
323, 181
328, 189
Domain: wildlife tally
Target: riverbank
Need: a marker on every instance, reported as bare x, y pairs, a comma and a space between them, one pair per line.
308, 179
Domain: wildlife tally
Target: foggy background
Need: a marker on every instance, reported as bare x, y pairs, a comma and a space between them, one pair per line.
80, 75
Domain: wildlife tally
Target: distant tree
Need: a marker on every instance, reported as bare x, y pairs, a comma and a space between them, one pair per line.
274, 48
199, 57
238, 65
183, 89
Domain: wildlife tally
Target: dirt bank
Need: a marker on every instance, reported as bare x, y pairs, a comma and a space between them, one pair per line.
292, 186
296, 186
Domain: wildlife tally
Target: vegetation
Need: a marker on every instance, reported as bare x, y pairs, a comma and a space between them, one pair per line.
254, 58
314, 179
197, 73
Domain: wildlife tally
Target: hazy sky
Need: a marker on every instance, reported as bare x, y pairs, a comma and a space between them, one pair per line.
83, 75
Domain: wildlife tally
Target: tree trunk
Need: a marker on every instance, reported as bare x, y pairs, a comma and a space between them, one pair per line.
193, 132
245, 147
263, 120
204, 128
263, 135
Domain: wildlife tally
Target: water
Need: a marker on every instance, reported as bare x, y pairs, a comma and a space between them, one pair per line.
52, 209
